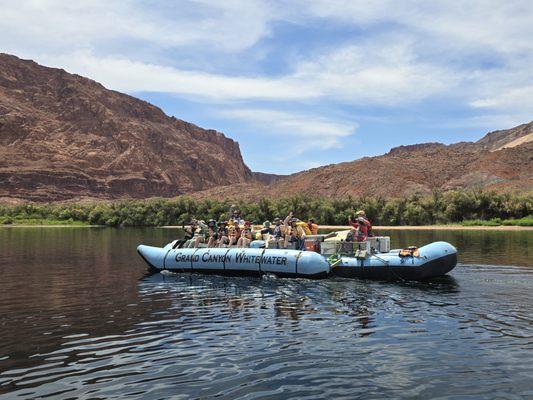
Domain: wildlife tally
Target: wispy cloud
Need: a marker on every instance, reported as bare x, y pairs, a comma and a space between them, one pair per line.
58, 25
133, 76
304, 131
411, 51
363, 74
467, 65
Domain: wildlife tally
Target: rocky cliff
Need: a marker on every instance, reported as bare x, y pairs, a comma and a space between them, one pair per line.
501, 161
63, 136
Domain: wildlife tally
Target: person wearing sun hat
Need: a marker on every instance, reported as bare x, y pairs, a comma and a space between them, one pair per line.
266, 231
361, 227
277, 234
222, 234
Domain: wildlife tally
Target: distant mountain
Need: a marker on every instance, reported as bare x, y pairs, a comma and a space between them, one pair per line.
267, 179
501, 161
66, 137
63, 136
508, 138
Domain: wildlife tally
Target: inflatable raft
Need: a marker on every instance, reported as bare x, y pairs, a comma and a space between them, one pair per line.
361, 260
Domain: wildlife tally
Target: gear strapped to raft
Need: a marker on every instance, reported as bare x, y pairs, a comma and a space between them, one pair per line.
411, 251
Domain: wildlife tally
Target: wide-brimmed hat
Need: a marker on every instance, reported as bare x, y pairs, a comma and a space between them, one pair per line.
266, 224
360, 212
276, 220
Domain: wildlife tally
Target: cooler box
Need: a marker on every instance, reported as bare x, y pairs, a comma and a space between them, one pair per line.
328, 247
379, 243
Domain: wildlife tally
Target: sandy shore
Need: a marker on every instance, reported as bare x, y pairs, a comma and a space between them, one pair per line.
49, 226
329, 227
440, 228
418, 228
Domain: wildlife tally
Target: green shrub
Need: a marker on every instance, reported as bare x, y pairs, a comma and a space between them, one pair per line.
526, 221
455, 206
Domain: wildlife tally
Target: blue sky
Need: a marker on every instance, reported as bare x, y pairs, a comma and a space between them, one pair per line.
298, 83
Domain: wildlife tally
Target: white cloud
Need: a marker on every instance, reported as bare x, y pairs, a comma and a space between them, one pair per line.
383, 72
404, 53
132, 76
510, 99
369, 73
63, 26
319, 133
503, 26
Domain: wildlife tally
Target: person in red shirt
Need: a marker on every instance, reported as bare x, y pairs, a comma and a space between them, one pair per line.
361, 227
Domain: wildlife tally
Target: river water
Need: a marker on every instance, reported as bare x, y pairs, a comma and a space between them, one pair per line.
79, 318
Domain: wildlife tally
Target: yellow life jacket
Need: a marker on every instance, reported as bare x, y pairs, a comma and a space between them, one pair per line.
304, 226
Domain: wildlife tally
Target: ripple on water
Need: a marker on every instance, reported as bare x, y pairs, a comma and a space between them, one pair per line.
104, 333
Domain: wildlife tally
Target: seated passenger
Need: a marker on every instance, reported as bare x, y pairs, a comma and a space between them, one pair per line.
294, 233
313, 227
212, 233
266, 231
246, 237
277, 235
233, 236
200, 234
190, 230
222, 234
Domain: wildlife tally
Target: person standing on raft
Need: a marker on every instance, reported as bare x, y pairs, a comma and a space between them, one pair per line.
361, 228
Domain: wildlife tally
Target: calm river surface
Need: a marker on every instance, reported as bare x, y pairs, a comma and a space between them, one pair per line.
80, 319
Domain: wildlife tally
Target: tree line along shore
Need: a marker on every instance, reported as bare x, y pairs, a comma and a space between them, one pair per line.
466, 208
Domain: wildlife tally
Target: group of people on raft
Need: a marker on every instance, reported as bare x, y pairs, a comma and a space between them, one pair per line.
288, 233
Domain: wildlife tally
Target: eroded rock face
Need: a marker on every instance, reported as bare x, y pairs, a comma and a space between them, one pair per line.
63, 136
422, 168
501, 161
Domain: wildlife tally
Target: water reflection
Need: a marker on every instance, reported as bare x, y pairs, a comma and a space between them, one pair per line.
79, 318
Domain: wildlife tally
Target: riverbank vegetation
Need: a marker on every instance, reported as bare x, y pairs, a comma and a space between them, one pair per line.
451, 207
526, 221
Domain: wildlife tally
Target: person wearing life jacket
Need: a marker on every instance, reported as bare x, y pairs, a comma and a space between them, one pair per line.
277, 236
233, 236
294, 233
362, 214
266, 231
190, 230
200, 233
222, 234
360, 227
246, 236
313, 227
